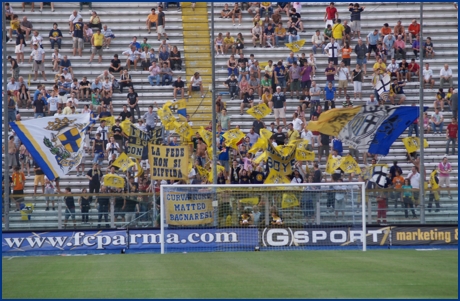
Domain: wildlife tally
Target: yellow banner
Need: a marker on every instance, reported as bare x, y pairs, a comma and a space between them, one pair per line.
168, 162
332, 164
126, 126
264, 133
332, 121
261, 143
206, 136
250, 201
260, 158
259, 111
109, 121
302, 153
184, 130
281, 159
189, 209
412, 144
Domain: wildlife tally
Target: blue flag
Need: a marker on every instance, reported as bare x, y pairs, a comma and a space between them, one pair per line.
393, 126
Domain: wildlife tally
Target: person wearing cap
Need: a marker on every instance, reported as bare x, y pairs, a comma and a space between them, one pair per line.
38, 55
399, 30
317, 41
97, 40
152, 20
331, 14
372, 40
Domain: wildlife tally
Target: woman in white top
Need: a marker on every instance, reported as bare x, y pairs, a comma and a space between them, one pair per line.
219, 44
196, 84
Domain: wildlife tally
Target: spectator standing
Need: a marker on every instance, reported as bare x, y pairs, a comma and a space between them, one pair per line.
77, 37
97, 41
331, 14
161, 25
279, 105
333, 49
85, 206
389, 44
133, 102
444, 169
103, 203
70, 207
452, 135
355, 18
372, 40
361, 51
357, 76
74, 18
38, 55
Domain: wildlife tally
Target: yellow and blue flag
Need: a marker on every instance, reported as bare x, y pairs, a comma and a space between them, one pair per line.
56, 144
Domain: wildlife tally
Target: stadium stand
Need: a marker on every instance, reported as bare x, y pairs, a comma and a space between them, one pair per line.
188, 28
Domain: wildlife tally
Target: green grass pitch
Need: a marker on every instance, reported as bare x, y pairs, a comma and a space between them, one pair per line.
290, 274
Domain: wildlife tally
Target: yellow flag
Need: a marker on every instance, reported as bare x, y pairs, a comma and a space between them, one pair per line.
232, 137
412, 144
349, 165
332, 164
109, 121
182, 107
267, 134
289, 201
275, 177
302, 153
220, 169
206, 136
251, 201
166, 116
295, 46
285, 150
259, 111
261, 158
123, 162
126, 126
332, 121
261, 143
114, 181
202, 172
140, 170
184, 130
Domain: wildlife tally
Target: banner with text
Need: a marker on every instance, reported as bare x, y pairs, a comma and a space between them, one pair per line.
187, 209
138, 141
168, 162
279, 161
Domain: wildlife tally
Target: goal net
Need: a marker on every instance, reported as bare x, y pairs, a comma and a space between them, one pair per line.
212, 218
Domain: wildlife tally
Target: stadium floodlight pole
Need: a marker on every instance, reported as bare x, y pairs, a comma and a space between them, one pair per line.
213, 93
420, 125
6, 171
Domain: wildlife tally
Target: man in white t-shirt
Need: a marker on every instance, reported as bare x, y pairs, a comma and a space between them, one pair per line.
393, 68
196, 84
428, 76
74, 17
112, 147
414, 178
445, 75
132, 57
308, 135
344, 76
53, 101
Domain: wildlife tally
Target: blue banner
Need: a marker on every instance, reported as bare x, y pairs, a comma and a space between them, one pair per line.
195, 239
63, 241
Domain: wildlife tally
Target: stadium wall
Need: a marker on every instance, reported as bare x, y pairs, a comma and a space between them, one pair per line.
226, 239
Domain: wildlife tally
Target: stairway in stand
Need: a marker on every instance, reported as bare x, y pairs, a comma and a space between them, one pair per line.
197, 57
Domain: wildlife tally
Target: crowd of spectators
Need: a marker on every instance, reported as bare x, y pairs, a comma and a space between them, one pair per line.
295, 77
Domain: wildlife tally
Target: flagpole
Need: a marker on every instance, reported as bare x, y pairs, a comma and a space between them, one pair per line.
421, 123
6, 171
214, 127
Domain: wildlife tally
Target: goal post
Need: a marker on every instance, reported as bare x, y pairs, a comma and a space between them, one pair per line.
211, 218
